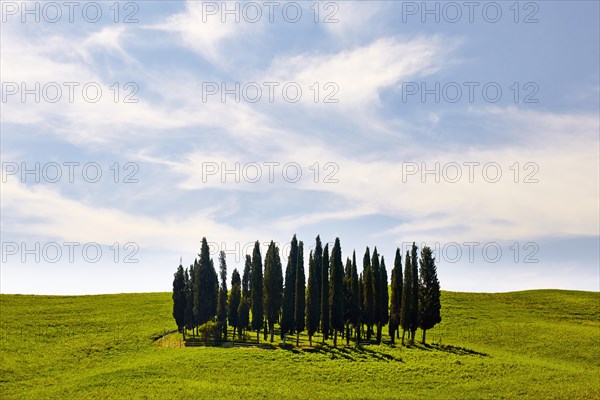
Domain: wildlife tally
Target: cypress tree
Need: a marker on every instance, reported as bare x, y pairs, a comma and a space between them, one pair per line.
429, 292
222, 304
369, 314
243, 316
361, 303
396, 301
355, 298
405, 312
206, 287
325, 293
348, 298
318, 254
234, 300
299, 309
376, 268
179, 299
247, 278
273, 286
312, 305
337, 291
189, 302
384, 297
257, 291
414, 307
287, 310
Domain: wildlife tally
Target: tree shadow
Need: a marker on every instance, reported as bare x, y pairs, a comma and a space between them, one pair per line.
461, 351
359, 353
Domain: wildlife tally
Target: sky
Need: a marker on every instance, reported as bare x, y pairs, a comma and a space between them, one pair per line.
131, 130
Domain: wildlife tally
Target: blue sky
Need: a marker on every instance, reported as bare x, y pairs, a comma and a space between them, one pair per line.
518, 97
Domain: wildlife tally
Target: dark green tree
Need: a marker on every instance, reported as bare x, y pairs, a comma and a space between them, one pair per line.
429, 292
287, 309
206, 287
369, 310
325, 293
355, 298
257, 291
414, 308
300, 296
396, 300
348, 298
318, 254
336, 314
222, 304
273, 286
361, 303
312, 304
376, 268
179, 299
383, 298
234, 300
406, 304
243, 316
189, 296
247, 278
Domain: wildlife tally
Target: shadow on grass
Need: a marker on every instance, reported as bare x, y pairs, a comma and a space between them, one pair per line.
461, 351
359, 353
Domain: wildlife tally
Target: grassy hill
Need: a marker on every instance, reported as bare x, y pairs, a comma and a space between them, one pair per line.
542, 344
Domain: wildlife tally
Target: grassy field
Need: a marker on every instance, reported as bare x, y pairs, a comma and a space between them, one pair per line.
534, 344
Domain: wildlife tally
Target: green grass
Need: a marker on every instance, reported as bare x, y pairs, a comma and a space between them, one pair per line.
542, 344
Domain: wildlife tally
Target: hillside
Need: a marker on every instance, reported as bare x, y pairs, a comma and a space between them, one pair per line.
542, 344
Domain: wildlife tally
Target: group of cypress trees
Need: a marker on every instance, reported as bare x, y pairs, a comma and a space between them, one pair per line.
335, 300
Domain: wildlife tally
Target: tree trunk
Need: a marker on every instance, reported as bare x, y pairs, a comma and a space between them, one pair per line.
424, 330
403, 333
258, 336
347, 334
335, 338
358, 335
310, 340
379, 332
392, 334
297, 338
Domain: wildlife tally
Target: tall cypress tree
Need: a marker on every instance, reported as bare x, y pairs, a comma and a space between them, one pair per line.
234, 300
336, 314
369, 311
243, 316
257, 291
273, 286
396, 303
318, 254
189, 302
222, 305
376, 268
414, 308
361, 303
325, 293
206, 287
383, 297
287, 309
312, 304
405, 313
429, 292
348, 298
247, 278
299, 309
355, 298
179, 299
